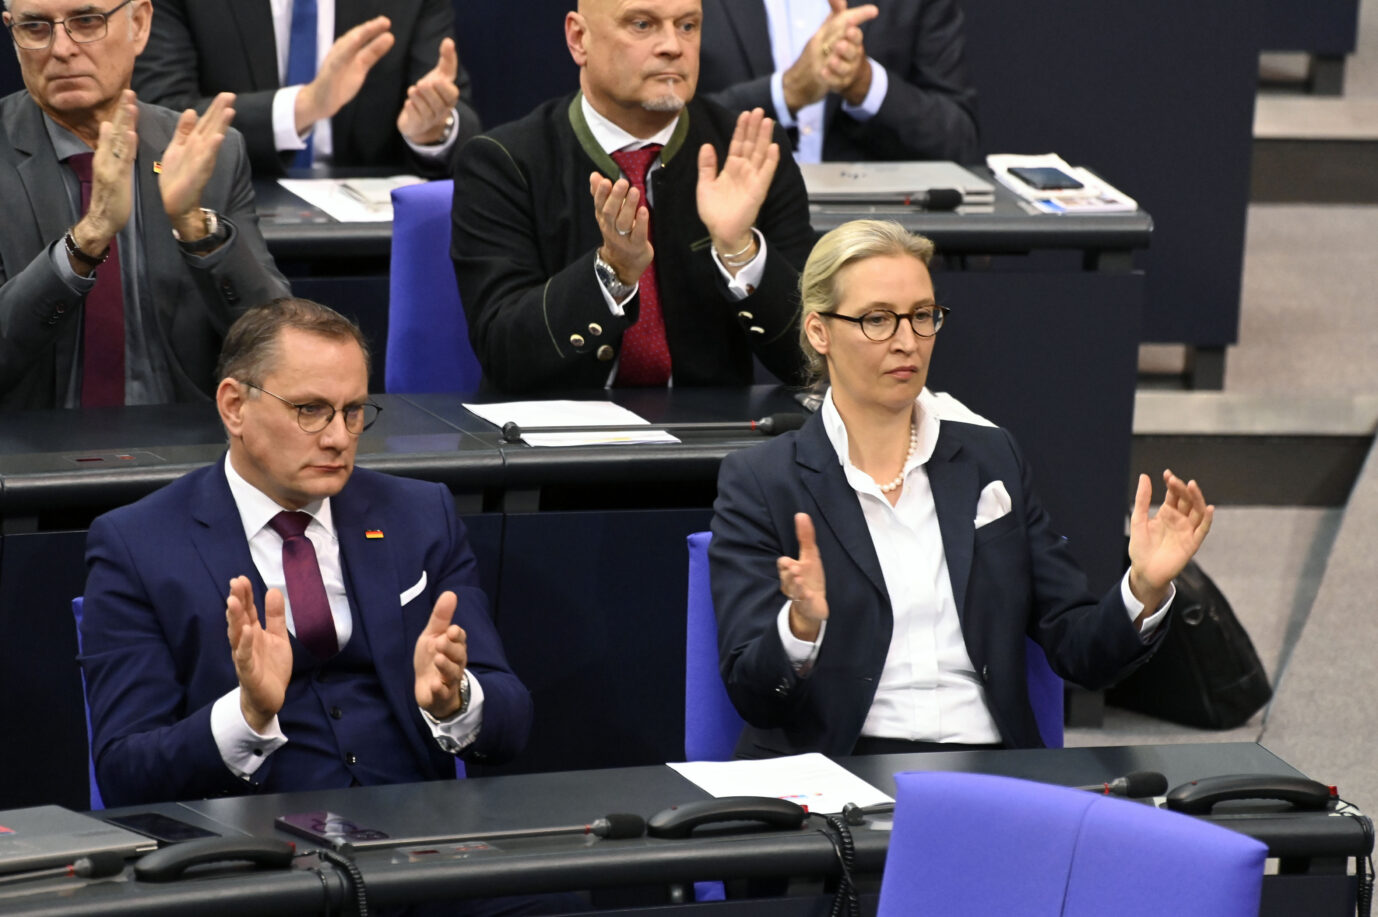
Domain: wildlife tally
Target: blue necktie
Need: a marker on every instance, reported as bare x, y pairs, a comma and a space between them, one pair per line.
301, 60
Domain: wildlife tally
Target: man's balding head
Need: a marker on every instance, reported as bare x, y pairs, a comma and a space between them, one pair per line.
638, 59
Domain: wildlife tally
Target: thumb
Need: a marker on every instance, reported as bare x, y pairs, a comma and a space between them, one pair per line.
275, 613
442, 613
803, 530
449, 60
708, 163
1142, 495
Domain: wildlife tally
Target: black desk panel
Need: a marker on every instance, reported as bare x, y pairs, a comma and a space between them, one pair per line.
577, 862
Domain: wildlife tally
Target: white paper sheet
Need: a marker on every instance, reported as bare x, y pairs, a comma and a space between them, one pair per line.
350, 200
813, 780
569, 413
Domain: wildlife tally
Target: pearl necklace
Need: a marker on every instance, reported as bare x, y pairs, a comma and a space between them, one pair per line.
913, 445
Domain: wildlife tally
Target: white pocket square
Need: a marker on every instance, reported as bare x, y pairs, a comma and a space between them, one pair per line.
414, 591
993, 503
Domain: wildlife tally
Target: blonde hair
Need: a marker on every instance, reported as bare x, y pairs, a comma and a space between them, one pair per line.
819, 289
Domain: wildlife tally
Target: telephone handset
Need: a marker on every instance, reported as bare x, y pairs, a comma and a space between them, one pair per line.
1199, 796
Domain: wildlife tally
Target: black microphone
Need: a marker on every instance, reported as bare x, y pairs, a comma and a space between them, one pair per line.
937, 199
774, 424
93, 866
612, 827
1134, 786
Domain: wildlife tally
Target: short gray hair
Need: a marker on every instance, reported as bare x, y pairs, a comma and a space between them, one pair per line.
819, 290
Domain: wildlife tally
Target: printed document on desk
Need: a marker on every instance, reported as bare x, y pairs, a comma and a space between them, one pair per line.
1094, 196
569, 414
891, 182
351, 200
814, 781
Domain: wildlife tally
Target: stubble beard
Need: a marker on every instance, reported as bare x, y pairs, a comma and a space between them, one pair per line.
667, 102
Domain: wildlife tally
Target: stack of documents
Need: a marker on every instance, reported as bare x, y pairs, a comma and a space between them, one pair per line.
815, 782
1094, 196
351, 200
569, 414
904, 183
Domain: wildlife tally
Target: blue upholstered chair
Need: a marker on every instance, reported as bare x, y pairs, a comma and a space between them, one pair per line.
975, 844
711, 723
428, 340
96, 802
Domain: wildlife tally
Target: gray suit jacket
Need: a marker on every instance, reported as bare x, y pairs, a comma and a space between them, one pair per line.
195, 299
929, 111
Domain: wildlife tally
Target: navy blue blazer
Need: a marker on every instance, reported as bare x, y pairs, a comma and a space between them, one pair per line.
1010, 578
156, 655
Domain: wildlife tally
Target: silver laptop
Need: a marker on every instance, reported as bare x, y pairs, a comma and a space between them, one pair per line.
889, 182
53, 836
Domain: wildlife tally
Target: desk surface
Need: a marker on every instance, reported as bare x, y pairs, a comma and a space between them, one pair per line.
296, 230
574, 862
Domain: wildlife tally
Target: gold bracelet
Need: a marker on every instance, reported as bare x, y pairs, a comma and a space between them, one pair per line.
745, 248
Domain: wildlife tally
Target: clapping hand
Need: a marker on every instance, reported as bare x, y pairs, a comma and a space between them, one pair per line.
1161, 545
802, 582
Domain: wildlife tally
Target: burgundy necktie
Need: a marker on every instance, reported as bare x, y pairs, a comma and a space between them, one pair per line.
645, 352
102, 338
305, 589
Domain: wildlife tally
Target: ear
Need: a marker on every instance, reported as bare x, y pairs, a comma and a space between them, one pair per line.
229, 400
140, 18
576, 30
817, 331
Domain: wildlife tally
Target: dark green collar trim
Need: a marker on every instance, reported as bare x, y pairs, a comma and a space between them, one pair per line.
601, 159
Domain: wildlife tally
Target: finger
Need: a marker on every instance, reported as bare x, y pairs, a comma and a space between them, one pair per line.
599, 187
442, 613
422, 105
275, 613
838, 6
449, 60
373, 52
762, 145
738, 142
352, 42
641, 229
803, 530
433, 102
860, 14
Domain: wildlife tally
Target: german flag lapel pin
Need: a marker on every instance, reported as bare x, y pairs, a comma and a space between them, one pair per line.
157, 167
373, 534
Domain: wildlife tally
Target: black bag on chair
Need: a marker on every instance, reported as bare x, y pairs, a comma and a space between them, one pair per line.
1207, 673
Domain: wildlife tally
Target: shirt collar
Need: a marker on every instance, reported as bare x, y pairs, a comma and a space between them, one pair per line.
926, 410
256, 509
65, 143
612, 138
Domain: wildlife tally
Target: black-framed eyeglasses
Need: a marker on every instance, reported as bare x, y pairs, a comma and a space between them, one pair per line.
83, 28
315, 416
881, 324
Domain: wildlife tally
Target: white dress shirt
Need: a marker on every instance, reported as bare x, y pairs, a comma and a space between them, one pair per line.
244, 750
792, 24
612, 139
285, 134
929, 689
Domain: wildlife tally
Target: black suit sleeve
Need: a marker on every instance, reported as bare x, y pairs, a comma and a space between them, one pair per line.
167, 73
929, 111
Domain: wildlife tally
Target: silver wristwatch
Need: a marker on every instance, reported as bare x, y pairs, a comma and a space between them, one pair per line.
610, 281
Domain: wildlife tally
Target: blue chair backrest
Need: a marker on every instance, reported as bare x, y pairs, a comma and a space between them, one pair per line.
96, 802
428, 340
711, 723
975, 844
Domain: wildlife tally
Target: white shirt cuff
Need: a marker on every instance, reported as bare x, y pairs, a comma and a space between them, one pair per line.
285, 136
749, 277
437, 150
242, 749
802, 654
78, 284
777, 98
618, 309
459, 731
1136, 607
875, 96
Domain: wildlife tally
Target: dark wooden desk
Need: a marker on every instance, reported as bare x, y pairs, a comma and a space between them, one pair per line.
1310, 842
581, 550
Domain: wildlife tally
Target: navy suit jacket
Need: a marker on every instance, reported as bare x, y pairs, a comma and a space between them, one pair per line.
156, 655
929, 110
1012, 577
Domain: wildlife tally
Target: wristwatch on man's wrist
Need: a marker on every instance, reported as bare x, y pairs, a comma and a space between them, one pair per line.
210, 241
607, 276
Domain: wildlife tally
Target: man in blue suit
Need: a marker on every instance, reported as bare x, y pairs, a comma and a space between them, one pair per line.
359, 650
